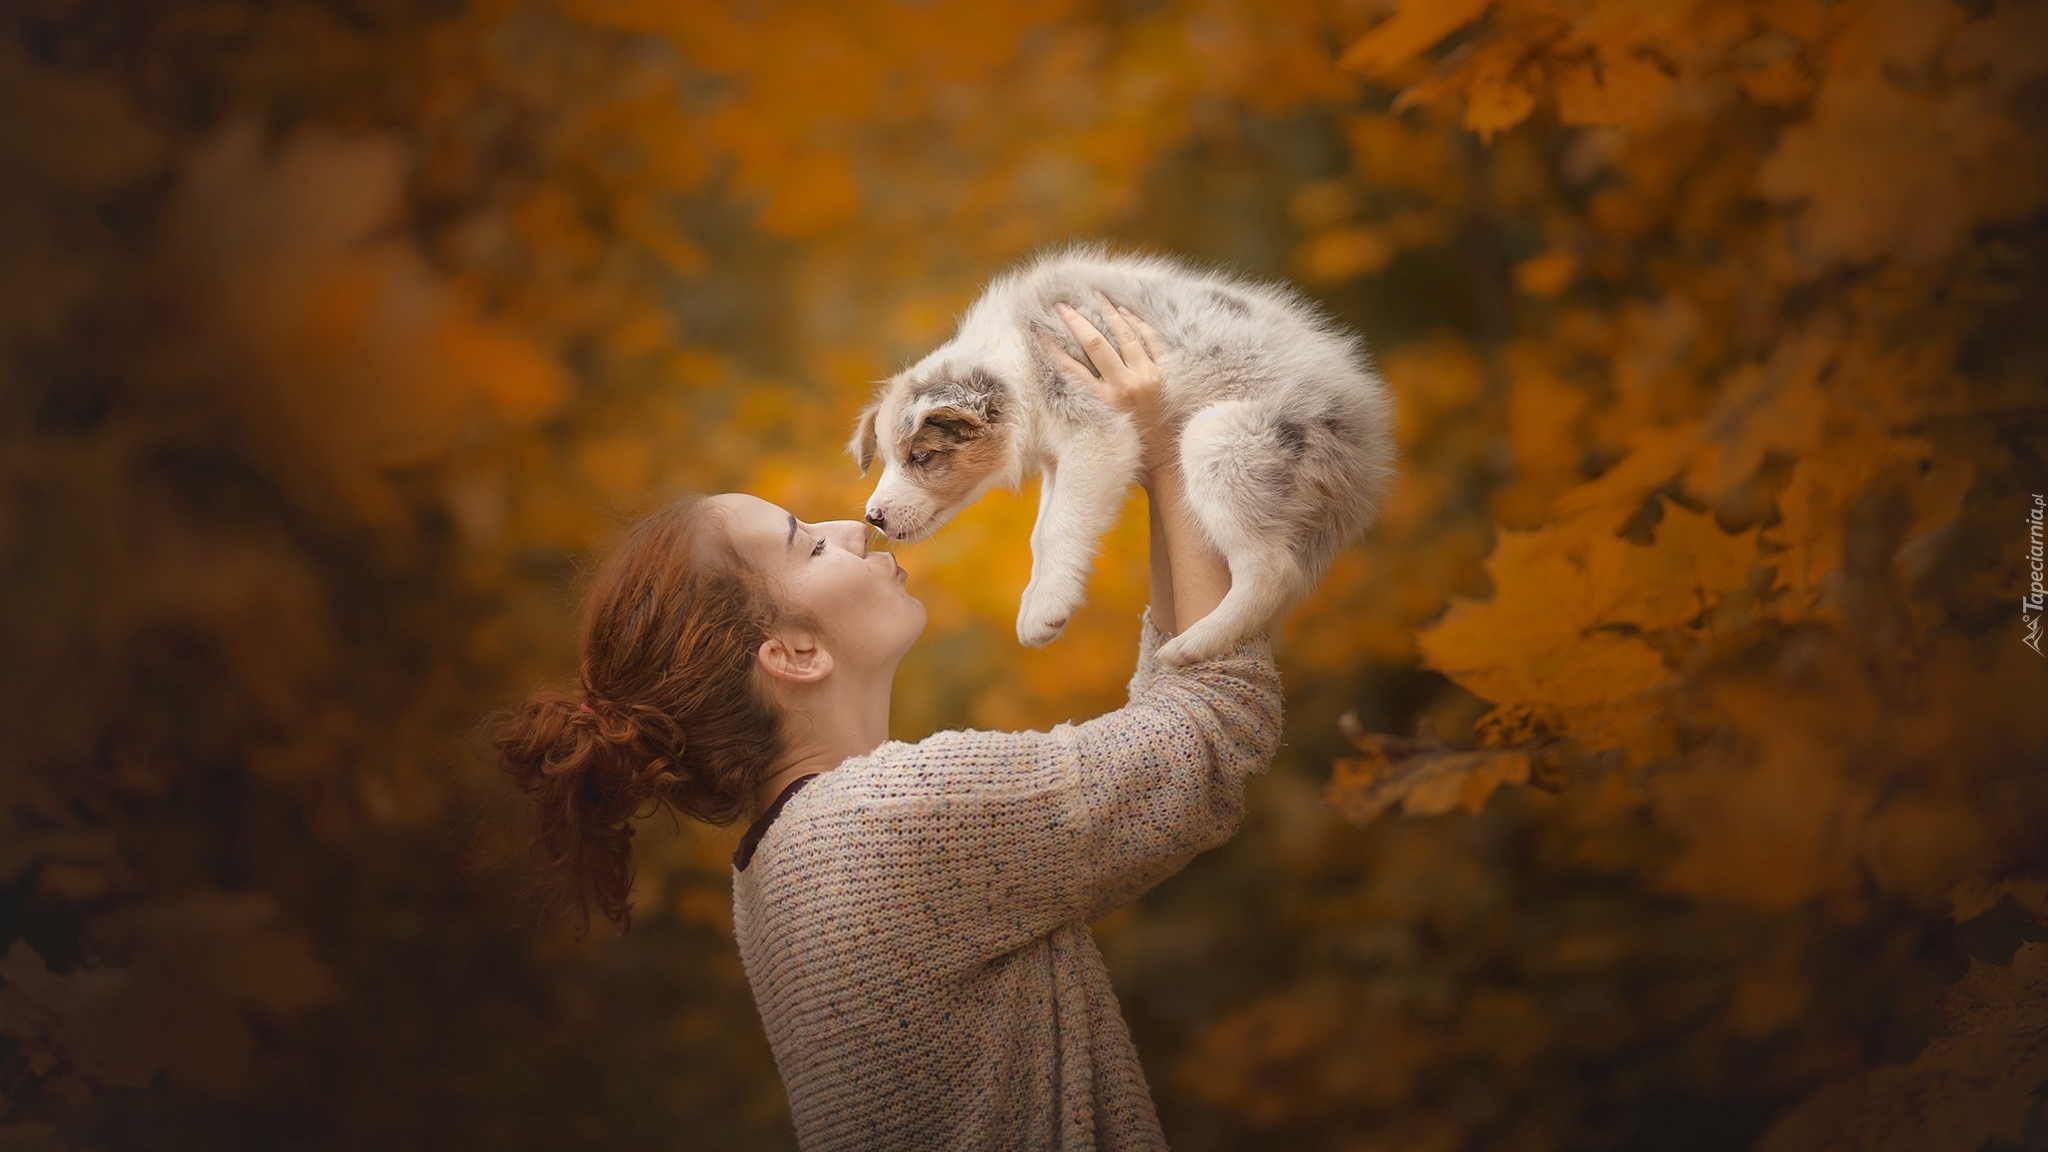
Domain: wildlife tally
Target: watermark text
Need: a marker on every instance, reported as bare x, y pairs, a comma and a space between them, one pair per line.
2036, 599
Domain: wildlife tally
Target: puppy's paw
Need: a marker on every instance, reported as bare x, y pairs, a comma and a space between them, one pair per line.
1039, 633
1195, 645
1041, 618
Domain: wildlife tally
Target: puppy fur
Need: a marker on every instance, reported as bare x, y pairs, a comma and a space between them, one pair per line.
1286, 440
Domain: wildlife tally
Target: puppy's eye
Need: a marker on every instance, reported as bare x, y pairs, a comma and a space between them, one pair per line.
920, 459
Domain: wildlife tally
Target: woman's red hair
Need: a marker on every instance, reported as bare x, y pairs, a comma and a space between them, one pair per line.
669, 716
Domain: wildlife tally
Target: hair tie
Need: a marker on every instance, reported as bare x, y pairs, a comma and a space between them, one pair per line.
587, 708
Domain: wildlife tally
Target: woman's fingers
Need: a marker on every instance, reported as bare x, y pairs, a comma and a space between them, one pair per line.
1124, 375
1128, 343
1094, 344
1148, 336
1073, 369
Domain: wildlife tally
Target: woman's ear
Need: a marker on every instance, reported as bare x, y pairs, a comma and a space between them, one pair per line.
795, 657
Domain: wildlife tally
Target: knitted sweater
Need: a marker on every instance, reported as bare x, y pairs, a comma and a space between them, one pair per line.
914, 923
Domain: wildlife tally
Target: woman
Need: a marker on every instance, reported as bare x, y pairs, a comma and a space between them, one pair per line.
913, 918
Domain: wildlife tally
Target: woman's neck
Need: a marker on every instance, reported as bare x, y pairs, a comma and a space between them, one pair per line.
827, 724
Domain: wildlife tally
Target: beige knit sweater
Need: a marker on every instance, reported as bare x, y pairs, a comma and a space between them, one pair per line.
914, 923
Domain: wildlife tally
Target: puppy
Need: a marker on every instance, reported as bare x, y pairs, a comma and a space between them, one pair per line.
1286, 442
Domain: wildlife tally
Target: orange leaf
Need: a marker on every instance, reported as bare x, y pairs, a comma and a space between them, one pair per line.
1497, 100
1414, 27
1540, 639
1688, 566
1424, 776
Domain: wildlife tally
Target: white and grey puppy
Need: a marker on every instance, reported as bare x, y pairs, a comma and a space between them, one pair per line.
1286, 442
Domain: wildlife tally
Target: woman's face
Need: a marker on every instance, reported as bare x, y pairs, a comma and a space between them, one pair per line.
827, 571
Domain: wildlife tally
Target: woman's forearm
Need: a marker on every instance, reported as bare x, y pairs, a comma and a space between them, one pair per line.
1162, 569
1189, 577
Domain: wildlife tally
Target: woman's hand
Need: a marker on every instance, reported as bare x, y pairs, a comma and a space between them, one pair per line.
1125, 375
1189, 577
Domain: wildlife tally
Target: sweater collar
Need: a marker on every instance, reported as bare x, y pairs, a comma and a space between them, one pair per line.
759, 828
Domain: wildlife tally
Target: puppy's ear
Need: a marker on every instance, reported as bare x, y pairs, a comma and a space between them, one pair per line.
953, 423
862, 446
985, 394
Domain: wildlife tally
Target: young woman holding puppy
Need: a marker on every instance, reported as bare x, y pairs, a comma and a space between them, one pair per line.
913, 918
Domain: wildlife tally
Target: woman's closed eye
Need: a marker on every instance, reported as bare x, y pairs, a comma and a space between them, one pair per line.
818, 549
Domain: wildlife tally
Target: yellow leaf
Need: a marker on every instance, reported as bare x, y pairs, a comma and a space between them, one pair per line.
1414, 27
1656, 456
1498, 98
1690, 564
1540, 639
1424, 776
1609, 89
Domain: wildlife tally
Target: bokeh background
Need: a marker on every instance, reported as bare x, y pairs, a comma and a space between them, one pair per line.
1666, 771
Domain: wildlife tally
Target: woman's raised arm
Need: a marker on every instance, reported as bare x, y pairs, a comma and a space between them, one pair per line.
1189, 577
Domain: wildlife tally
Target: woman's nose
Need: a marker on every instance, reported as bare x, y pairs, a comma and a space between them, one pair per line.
857, 535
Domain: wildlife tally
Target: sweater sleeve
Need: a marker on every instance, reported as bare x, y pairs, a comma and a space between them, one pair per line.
993, 839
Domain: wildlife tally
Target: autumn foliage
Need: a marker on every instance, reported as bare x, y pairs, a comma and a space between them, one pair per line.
1669, 769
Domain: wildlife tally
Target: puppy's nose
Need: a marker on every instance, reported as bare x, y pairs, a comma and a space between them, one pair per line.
875, 517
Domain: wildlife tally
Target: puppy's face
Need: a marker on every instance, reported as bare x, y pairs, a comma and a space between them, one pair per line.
943, 439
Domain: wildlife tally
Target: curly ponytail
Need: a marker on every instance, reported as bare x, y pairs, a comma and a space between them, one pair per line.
670, 717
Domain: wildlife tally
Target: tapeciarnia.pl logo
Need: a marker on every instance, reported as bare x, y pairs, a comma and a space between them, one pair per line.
2037, 596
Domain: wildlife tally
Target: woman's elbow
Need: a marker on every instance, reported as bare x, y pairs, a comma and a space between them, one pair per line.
1251, 726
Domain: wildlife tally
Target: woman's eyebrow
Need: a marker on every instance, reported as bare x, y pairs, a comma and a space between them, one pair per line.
791, 542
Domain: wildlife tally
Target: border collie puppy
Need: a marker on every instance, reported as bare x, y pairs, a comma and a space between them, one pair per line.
1286, 440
